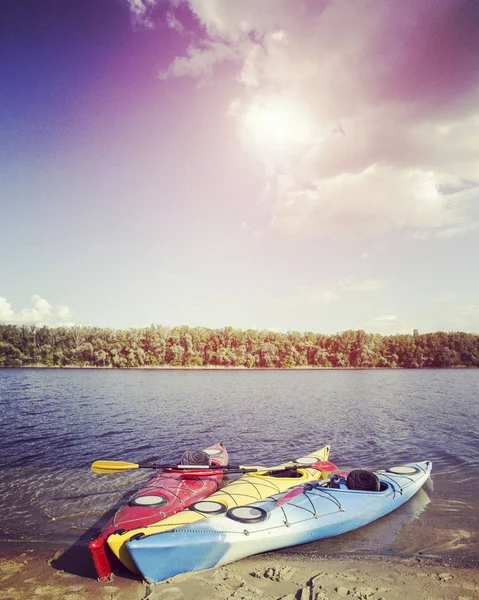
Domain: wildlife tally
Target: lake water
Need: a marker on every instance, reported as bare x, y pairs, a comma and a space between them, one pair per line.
55, 423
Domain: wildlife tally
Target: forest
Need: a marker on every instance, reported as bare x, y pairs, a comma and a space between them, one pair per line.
159, 346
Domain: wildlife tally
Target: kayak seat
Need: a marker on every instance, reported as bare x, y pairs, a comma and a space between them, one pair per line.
361, 480
195, 457
293, 473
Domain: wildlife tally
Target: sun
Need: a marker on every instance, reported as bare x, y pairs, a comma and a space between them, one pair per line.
276, 126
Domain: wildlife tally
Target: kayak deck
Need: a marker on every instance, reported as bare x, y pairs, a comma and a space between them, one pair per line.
164, 494
249, 488
304, 514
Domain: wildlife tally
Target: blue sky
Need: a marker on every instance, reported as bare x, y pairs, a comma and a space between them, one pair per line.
272, 165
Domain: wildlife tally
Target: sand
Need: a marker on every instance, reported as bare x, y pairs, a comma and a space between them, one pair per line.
54, 574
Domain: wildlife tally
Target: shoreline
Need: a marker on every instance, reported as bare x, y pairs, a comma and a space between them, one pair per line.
237, 368
30, 572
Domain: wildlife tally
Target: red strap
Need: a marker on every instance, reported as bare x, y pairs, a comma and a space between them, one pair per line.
100, 559
324, 465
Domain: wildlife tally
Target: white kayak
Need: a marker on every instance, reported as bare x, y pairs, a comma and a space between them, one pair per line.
305, 513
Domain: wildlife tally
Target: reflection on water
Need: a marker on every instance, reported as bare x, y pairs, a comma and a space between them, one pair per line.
55, 423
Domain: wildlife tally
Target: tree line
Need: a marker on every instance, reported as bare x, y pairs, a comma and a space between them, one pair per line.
158, 346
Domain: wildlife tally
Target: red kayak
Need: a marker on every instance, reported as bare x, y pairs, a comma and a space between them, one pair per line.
165, 494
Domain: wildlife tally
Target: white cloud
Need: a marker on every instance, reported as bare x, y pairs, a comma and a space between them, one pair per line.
141, 11
386, 318
6, 311
235, 21
39, 313
390, 91
173, 22
200, 60
368, 204
64, 312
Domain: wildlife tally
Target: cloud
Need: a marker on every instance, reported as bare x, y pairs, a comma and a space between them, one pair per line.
199, 61
244, 19
142, 12
64, 312
40, 312
391, 94
425, 54
6, 311
369, 203
173, 22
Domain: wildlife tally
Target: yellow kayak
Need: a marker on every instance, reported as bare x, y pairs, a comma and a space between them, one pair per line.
248, 488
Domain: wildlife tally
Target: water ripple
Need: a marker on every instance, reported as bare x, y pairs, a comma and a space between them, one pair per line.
56, 422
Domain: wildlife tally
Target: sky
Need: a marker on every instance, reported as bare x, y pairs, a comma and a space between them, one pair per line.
264, 164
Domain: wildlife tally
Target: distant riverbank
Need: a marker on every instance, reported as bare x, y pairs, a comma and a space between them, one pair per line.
197, 368
201, 348
226, 368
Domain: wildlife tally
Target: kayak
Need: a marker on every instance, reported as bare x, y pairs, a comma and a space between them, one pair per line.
166, 493
306, 513
244, 490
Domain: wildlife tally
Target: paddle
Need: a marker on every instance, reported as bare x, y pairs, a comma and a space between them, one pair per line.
325, 465
115, 466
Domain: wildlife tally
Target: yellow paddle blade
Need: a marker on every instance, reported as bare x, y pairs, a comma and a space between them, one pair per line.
112, 466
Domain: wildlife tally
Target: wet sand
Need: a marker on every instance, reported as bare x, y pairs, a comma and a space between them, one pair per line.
40, 572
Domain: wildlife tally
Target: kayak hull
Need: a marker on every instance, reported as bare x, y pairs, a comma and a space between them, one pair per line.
315, 513
244, 490
165, 493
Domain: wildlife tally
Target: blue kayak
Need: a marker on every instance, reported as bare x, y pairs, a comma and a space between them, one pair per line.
306, 513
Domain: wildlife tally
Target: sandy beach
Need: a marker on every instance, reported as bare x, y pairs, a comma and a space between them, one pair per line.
68, 575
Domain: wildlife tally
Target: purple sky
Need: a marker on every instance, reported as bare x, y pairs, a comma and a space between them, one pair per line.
262, 164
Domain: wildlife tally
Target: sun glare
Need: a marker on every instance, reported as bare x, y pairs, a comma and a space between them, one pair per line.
276, 126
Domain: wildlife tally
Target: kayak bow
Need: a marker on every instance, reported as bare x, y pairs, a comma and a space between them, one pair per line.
164, 494
246, 489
